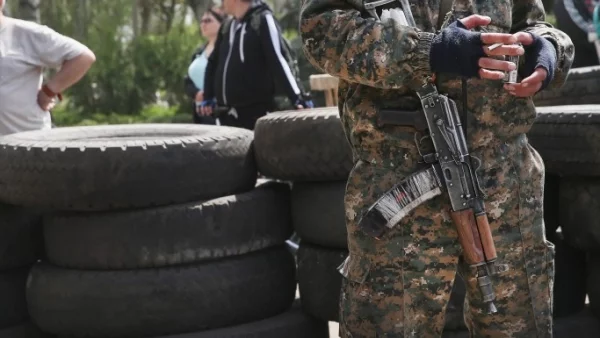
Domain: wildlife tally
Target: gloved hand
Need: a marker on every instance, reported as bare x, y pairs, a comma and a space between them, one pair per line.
207, 106
305, 104
456, 50
539, 66
302, 103
540, 53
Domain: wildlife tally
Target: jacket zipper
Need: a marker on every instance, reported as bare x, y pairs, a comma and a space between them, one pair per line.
231, 40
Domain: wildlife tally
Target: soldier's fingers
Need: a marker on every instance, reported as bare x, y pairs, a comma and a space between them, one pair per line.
494, 64
524, 38
475, 20
492, 38
490, 74
504, 50
538, 75
523, 90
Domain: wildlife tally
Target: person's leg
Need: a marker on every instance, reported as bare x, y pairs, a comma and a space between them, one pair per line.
247, 116
524, 291
398, 286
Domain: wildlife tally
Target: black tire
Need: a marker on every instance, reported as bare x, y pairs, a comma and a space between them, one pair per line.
582, 87
318, 213
585, 52
580, 212
567, 138
172, 235
13, 306
580, 325
593, 282
291, 324
154, 302
551, 203
307, 145
27, 330
124, 166
570, 278
20, 236
319, 281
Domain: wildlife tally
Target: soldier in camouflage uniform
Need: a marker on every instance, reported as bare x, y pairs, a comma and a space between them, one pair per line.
399, 285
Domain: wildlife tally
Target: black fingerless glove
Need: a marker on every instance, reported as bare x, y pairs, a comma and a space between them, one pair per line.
541, 53
456, 50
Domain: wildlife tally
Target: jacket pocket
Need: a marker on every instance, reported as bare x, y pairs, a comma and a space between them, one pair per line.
355, 268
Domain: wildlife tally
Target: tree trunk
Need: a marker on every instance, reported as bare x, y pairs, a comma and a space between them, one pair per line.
29, 10
81, 20
135, 12
146, 15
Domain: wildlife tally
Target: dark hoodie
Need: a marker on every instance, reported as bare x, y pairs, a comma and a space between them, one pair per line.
242, 69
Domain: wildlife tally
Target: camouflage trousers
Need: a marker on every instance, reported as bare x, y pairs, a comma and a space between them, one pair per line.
399, 286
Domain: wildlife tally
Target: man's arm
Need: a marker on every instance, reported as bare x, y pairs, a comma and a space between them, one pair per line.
271, 43
55, 50
339, 41
529, 16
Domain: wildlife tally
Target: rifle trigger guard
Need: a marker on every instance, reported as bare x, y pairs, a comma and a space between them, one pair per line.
425, 158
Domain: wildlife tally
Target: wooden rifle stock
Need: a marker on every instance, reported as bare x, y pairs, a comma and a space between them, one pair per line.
475, 236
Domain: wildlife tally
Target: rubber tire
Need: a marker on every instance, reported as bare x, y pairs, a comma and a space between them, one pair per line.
318, 213
20, 236
13, 306
579, 217
580, 325
172, 235
319, 281
568, 139
582, 87
291, 324
551, 203
27, 330
593, 282
570, 278
307, 145
124, 166
151, 302
585, 52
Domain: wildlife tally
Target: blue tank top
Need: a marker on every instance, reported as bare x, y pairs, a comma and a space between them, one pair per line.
197, 69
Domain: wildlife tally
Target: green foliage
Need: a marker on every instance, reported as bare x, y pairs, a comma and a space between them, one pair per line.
134, 76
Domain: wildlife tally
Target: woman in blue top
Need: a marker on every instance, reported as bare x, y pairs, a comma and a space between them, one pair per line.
194, 80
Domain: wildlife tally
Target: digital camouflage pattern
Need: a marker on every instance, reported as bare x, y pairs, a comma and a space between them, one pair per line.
399, 286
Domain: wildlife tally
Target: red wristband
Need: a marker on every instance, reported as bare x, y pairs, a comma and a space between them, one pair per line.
50, 93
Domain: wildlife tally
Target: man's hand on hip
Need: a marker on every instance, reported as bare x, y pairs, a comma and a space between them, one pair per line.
44, 101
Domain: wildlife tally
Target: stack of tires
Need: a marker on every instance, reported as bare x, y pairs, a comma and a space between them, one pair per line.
310, 149
154, 231
20, 240
567, 138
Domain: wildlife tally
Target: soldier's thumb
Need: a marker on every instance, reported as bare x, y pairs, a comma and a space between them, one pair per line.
476, 20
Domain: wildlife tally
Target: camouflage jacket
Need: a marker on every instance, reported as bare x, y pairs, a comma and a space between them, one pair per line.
380, 64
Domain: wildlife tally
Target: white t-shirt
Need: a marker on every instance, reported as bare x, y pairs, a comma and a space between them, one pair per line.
26, 48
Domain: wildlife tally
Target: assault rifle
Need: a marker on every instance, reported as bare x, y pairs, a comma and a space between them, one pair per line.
451, 170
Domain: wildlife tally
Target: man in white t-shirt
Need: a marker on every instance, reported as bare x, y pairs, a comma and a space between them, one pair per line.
26, 48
